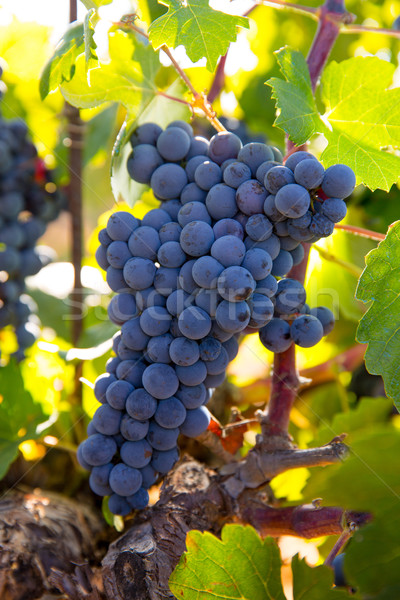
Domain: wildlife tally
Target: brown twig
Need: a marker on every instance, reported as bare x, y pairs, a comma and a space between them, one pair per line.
200, 100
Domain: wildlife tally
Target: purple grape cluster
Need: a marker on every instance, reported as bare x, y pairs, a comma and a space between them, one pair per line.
189, 278
29, 200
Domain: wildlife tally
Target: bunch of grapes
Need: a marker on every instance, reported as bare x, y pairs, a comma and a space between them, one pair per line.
28, 201
190, 277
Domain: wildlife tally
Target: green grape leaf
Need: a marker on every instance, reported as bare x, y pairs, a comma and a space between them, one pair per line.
380, 326
298, 114
21, 418
61, 66
239, 566
127, 78
366, 480
364, 115
160, 110
95, 3
89, 24
372, 559
203, 31
314, 583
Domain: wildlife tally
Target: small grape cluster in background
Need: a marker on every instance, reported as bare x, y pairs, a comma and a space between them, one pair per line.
29, 200
190, 277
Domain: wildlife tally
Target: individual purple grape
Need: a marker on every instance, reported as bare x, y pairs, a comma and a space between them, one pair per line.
261, 310
196, 422
160, 438
171, 255
263, 169
277, 177
192, 165
139, 500
149, 297
142, 162
250, 197
158, 348
160, 380
232, 348
98, 480
168, 181
206, 271
321, 226
219, 364
155, 320
166, 280
232, 316
118, 505
207, 300
100, 255
173, 144
272, 245
79, 456
236, 284
98, 449
182, 125
267, 286
228, 227
139, 273
297, 255
275, 335
193, 211
184, 352
106, 420
136, 454
164, 460
131, 371
192, 375
133, 335
325, 316
117, 393
156, 218
295, 158
258, 262
125, 480
101, 386
132, 429
306, 331
149, 474
172, 207
271, 211
120, 225
197, 238
170, 413
335, 209
292, 200
192, 193
258, 227
122, 307
236, 173
198, 146
214, 381
115, 279
207, 174
339, 181
282, 264
146, 134
309, 173
224, 145
254, 154
140, 405
178, 301
290, 297
144, 243
192, 396
103, 237
229, 250
185, 279
221, 202
194, 323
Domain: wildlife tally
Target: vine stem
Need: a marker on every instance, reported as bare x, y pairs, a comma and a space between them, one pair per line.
367, 233
74, 195
350, 267
285, 379
200, 100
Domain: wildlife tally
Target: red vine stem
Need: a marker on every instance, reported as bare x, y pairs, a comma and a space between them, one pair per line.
285, 380
367, 233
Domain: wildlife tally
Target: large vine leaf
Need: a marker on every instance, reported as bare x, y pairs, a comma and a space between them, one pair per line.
362, 118
365, 118
203, 31
127, 78
380, 326
160, 110
298, 114
314, 583
20, 417
239, 566
61, 66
